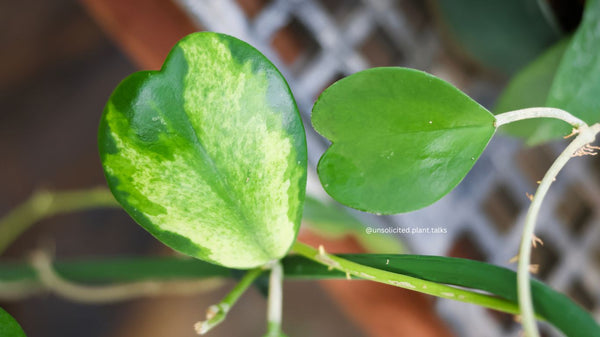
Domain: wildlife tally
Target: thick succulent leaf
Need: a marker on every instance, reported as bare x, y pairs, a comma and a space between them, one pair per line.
209, 154
549, 304
505, 35
331, 220
577, 82
401, 139
9, 326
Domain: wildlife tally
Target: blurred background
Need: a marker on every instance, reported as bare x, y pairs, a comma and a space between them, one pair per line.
61, 59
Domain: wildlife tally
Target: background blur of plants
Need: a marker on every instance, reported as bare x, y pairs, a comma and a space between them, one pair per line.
61, 59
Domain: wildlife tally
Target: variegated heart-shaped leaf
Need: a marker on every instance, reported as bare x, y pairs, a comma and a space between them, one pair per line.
209, 153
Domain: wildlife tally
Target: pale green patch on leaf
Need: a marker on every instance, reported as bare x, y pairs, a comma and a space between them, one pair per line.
576, 87
401, 138
209, 154
9, 327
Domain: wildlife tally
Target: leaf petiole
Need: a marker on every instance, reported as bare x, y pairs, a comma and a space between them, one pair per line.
275, 301
517, 115
217, 313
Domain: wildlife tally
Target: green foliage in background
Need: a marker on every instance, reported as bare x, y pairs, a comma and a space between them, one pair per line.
8, 326
566, 76
529, 88
504, 35
576, 86
332, 221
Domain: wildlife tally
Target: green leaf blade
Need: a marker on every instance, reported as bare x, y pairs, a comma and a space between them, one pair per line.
577, 82
209, 154
401, 139
9, 327
551, 305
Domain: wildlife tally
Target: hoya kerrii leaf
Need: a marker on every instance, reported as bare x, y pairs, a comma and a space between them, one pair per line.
577, 82
9, 327
401, 139
209, 153
529, 88
550, 305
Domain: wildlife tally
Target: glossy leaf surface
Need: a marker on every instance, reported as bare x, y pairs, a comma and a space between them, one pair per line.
505, 35
209, 153
529, 88
9, 326
576, 86
401, 139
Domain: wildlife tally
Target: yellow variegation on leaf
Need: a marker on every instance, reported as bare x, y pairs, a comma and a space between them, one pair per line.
209, 153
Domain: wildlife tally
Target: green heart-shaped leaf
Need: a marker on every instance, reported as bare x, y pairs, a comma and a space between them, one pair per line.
209, 154
9, 327
401, 138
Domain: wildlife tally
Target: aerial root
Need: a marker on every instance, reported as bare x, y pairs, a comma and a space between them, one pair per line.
534, 268
587, 150
535, 240
573, 133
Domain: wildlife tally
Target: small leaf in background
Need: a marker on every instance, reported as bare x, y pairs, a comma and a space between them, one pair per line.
504, 35
576, 86
529, 88
9, 326
332, 221
209, 154
401, 139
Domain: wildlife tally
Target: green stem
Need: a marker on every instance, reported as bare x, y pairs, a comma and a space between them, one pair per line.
114, 292
517, 115
403, 281
20, 280
275, 304
43, 204
586, 135
217, 313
